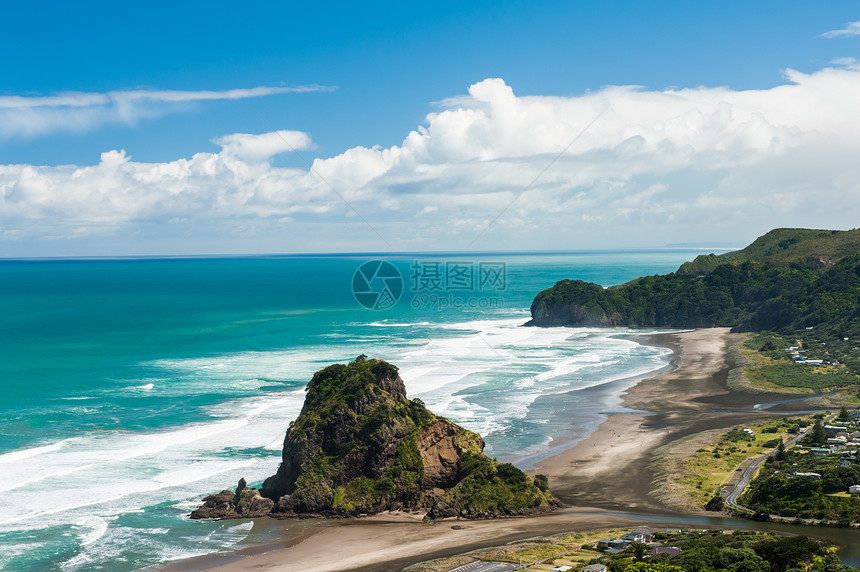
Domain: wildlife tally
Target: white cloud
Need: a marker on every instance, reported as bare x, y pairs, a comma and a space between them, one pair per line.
26, 116
253, 148
678, 165
852, 29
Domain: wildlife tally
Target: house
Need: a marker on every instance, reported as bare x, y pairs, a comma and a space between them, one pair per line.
670, 550
814, 361
854, 490
594, 568
846, 460
647, 532
615, 550
633, 537
812, 475
819, 451
618, 543
564, 568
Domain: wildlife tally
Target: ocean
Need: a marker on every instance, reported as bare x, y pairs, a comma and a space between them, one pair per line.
134, 387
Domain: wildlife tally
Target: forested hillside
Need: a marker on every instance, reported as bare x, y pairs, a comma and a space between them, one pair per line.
796, 291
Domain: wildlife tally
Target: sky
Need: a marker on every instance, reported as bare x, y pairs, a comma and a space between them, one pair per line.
158, 128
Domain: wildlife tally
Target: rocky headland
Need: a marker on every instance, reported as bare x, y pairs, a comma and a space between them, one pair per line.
360, 447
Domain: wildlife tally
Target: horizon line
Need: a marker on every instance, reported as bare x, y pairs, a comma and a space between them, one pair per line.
380, 254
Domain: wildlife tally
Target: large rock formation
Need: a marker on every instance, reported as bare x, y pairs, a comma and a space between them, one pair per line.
360, 446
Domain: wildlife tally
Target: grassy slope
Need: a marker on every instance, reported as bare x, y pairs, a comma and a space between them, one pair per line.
783, 245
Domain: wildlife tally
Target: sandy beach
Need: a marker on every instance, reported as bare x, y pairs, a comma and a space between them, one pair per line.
608, 471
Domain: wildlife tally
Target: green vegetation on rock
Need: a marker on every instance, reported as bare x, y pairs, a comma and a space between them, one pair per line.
360, 446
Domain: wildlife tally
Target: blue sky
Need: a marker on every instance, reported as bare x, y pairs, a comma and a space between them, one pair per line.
361, 76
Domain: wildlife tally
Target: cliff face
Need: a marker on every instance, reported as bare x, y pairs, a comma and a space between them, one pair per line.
360, 446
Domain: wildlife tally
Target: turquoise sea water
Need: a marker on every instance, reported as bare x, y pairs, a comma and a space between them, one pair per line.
133, 388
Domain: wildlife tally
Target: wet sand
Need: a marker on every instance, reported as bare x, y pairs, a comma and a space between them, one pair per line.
608, 471
611, 468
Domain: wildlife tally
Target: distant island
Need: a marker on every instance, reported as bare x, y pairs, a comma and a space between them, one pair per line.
801, 284
360, 447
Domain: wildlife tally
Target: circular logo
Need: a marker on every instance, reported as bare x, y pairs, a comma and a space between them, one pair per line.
377, 285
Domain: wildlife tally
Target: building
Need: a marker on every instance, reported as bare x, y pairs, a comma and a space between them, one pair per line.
647, 532
565, 568
847, 459
594, 568
854, 490
670, 550
633, 537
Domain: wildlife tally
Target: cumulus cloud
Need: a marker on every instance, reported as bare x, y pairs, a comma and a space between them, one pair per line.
852, 29
31, 116
253, 148
676, 165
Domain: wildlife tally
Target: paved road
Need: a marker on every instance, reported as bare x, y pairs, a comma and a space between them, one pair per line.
485, 567
732, 498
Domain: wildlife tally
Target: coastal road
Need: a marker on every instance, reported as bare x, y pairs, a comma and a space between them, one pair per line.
748, 473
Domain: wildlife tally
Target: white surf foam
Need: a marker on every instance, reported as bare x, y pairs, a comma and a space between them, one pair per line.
20, 455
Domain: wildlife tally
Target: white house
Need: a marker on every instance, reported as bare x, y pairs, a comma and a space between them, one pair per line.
854, 490
633, 537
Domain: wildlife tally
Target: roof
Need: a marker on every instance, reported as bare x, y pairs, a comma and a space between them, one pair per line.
670, 550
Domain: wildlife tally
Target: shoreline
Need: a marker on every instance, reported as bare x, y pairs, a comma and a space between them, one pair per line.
608, 471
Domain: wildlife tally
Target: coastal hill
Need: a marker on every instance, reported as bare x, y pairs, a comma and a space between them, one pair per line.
783, 246
359, 446
797, 282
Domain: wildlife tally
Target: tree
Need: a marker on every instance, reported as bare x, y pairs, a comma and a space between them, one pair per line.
789, 551
640, 549
715, 504
817, 436
652, 567
780, 451
843, 414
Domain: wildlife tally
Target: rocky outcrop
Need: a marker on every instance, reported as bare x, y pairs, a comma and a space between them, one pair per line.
359, 446
574, 303
244, 503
